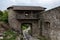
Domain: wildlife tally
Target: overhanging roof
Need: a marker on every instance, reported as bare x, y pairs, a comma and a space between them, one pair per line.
26, 8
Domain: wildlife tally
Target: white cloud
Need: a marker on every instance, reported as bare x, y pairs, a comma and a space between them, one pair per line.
13, 0
45, 3
22, 1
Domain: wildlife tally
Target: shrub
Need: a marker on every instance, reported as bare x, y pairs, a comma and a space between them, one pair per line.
9, 35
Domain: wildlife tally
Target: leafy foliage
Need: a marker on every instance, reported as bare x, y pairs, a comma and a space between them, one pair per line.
24, 26
1, 13
4, 16
9, 35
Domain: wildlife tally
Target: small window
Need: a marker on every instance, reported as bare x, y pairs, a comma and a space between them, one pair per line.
26, 13
47, 25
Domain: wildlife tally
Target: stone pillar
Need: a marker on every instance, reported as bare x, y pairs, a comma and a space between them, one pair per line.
35, 29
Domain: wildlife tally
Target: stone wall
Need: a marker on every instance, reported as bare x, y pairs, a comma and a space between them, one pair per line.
12, 20
51, 24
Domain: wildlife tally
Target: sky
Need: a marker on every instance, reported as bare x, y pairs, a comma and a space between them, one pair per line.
49, 4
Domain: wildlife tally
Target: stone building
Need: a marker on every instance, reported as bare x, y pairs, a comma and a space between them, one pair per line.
42, 23
51, 23
19, 15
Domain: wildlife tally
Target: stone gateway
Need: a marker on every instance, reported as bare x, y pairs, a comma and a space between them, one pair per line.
42, 23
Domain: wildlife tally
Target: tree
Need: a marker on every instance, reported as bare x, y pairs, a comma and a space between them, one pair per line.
4, 16
1, 13
8, 34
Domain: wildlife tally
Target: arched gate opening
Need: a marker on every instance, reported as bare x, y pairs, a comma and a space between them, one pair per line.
26, 29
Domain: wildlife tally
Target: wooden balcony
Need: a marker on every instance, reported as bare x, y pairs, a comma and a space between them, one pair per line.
26, 17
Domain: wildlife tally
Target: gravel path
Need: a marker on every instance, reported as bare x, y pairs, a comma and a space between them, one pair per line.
27, 36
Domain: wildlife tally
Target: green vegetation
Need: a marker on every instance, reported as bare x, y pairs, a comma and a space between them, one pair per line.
9, 35
4, 16
24, 26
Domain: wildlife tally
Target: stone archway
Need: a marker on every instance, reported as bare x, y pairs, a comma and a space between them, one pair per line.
26, 29
27, 26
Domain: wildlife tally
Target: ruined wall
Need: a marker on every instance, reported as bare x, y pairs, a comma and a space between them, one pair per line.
51, 24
